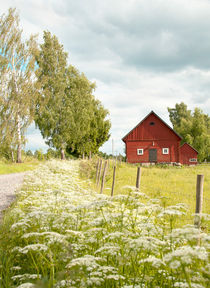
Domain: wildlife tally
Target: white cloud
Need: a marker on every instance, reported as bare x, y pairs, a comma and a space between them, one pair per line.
144, 55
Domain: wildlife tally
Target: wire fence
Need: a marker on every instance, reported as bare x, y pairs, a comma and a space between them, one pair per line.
197, 196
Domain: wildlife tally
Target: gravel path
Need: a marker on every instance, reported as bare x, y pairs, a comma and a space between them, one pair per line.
9, 183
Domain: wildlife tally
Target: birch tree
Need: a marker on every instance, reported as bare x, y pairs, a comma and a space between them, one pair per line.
17, 90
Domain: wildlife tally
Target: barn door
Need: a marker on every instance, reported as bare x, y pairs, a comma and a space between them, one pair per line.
152, 155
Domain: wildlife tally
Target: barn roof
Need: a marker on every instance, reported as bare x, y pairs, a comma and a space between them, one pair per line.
152, 112
189, 146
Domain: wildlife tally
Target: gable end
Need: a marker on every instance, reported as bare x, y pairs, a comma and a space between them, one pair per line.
152, 123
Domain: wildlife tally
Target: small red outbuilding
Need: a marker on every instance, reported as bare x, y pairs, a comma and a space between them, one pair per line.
189, 155
154, 141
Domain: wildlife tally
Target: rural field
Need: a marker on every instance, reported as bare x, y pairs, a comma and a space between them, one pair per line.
7, 168
61, 232
171, 184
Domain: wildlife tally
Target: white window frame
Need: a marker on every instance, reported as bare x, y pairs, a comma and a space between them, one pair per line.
193, 160
165, 151
140, 151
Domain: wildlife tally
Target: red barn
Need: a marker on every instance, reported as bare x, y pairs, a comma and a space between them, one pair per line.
189, 155
153, 141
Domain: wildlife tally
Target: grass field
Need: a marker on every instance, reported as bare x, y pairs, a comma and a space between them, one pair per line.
62, 234
171, 184
8, 168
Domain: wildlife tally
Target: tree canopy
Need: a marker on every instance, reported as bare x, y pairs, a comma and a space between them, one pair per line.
193, 126
17, 91
71, 118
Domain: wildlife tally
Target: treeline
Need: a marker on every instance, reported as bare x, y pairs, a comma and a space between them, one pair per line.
194, 127
37, 84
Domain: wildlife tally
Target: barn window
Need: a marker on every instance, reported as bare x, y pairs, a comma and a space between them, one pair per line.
152, 123
140, 151
193, 160
165, 150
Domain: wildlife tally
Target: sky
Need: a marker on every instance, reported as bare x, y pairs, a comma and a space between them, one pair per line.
143, 54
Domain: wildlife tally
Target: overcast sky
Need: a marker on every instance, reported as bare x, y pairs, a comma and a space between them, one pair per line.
143, 54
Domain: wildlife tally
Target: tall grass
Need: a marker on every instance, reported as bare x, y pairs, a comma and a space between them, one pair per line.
174, 184
59, 234
9, 167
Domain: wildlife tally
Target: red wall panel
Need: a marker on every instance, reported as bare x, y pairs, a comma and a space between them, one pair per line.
187, 153
157, 131
132, 146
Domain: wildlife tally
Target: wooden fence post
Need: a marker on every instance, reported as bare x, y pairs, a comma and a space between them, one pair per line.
138, 177
103, 177
99, 173
97, 169
113, 182
199, 200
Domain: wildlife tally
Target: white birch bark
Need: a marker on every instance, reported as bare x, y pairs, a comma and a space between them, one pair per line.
19, 160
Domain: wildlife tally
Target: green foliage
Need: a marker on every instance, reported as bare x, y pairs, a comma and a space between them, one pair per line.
89, 126
51, 153
39, 155
52, 111
194, 127
67, 114
17, 90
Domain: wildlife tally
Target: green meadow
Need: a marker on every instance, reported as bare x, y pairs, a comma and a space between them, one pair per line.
61, 233
8, 167
170, 183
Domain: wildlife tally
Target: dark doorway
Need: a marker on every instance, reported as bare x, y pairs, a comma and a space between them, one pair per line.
152, 155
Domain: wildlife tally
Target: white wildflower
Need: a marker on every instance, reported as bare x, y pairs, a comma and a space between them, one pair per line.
187, 254
196, 285
156, 262
114, 235
87, 260
16, 268
108, 250
23, 277
115, 277
146, 243
95, 281
174, 264
181, 285
26, 285
31, 247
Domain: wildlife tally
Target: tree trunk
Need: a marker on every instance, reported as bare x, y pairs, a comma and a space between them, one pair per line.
19, 154
62, 154
19, 140
13, 158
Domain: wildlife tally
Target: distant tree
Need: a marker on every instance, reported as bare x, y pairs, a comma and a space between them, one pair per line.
52, 111
17, 90
39, 154
194, 127
29, 153
51, 153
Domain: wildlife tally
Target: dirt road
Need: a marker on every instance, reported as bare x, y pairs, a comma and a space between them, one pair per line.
8, 184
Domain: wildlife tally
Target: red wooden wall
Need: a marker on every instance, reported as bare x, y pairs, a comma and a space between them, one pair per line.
186, 153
